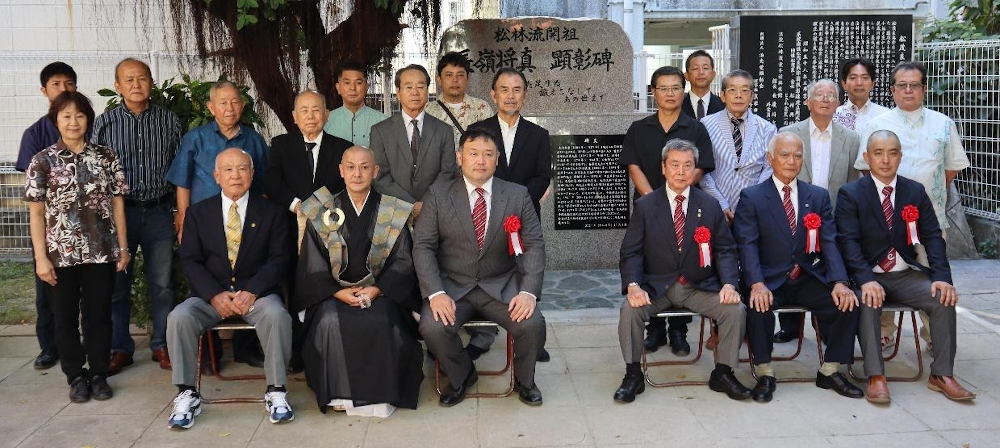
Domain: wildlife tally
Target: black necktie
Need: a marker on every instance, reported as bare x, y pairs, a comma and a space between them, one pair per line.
415, 143
701, 108
309, 158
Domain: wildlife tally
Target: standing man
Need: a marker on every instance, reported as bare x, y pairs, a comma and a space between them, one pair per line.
453, 105
412, 148
301, 163
465, 266
739, 141
353, 121
192, 167
932, 149
828, 159
145, 138
234, 255
857, 78
642, 157
659, 270
788, 253
56, 78
699, 70
878, 244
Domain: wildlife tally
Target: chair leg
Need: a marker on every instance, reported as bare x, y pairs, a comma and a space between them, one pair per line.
701, 344
215, 369
916, 343
508, 367
798, 346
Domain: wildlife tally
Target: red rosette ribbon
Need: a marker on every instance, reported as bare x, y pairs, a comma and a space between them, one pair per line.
512, 225
812, 222
910, 215
703, 237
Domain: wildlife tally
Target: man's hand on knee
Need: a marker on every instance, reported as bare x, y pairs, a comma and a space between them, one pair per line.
637, 297
443, 309
728, 295
872, 294
223, 304
521, 307
949, 296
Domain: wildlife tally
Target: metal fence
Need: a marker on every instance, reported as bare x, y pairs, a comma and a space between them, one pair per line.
964, 83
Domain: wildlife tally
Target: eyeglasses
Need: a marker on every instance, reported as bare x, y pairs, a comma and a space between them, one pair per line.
733, 91
828, 98
669, 90
906, 86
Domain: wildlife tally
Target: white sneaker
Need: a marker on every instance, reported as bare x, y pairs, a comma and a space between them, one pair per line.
187, 406
278, 408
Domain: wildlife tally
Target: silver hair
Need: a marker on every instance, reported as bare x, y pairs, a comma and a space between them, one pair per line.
310, 92
883, 133
784, 134
811, 89
681, 145
219, 85
217, 156
738, 73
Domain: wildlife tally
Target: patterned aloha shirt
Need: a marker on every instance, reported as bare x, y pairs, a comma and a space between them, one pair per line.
77, 190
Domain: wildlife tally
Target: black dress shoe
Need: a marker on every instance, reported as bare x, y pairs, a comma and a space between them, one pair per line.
655, 339
679, 344
530, 396
45, 360
783, 336
475, 352
99, 388
839, 383
632, 385
764, 391
544, 356
727, 382
251, 359
451, 397
79, 390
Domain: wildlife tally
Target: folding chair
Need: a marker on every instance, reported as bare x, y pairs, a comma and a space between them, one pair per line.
902, 310
234, 325
677, 312
798, 349
506, 368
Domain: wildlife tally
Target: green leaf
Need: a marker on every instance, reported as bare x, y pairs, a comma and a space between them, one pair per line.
107, 92
251, 18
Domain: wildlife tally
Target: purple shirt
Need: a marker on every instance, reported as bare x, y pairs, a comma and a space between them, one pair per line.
37, 137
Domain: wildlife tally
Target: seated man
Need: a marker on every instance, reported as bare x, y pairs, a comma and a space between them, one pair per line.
787, 240
464, 248
880, 220
698, 271
355, 294
234, 253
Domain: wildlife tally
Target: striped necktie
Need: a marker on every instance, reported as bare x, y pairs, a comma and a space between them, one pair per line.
790, 214
737, 137
679, 221
234, 234
479, 217
889, 261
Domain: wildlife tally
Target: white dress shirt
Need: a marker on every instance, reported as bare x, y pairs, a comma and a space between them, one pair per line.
879, 186
315, 155
241, 207
794, 194
407, 123
694, 101
672, 198
508, 132
820, 154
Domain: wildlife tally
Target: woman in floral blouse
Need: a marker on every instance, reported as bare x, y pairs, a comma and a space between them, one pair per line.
74, 189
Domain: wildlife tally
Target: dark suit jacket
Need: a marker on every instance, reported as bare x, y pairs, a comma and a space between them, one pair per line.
287, 176
435, 157
715, 104
447, 257
864, 236
649, 253
530, 161
768, 250
262, 259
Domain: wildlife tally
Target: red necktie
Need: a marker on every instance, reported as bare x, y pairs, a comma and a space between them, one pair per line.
790, 214
679, 221
479, 217
889, 261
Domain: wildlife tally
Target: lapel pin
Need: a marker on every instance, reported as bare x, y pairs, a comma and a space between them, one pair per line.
807, 205
253, 224
815, 261
699, 213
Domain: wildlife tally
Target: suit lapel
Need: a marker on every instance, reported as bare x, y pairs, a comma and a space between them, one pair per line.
404, 149
662, 215
250, 226
806, 206
494, 127
324, 162
873, 199
772, 201
217, 222
748, 140
460, 203
498, 210
837, 153
803, 133
692, 221
426, 135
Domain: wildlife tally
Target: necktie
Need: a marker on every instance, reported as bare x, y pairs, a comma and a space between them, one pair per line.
414, 142
234, 234
309, 158
701, 109
679, 221
790, 214
479, 217
737, 136
889, 261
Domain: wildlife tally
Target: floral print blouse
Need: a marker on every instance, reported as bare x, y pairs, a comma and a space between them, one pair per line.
77, 190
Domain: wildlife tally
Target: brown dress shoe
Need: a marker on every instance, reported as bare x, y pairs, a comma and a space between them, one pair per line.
160, 355
949, 387
118, 362
713, 339
878, 391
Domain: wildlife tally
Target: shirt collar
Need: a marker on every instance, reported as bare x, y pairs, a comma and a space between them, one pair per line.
218, 130
241, 203
694, 99
408, 119
746, 115
318, 141
505, 127
861, 109
813, 129
781, 185
61, 148
879, 185
470, 189
912, 117
672, 196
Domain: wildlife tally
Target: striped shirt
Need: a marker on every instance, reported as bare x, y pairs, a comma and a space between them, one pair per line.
145, 145
732, 175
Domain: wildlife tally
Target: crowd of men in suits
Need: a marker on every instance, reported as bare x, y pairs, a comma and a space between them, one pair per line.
732, 219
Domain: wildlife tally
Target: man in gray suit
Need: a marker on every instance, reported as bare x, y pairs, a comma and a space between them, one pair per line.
828, 161
465, 246
412, 149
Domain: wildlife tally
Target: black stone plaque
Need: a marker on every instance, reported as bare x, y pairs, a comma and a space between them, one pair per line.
785, 53
591, 189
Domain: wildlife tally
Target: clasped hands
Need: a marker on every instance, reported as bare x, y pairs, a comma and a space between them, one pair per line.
521, 307
233, 303
359, 296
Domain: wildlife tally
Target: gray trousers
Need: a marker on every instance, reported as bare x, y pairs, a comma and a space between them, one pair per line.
194, 316
444, 342
731, 320
911, 288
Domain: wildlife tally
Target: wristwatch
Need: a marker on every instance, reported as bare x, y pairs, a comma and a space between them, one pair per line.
632, 284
